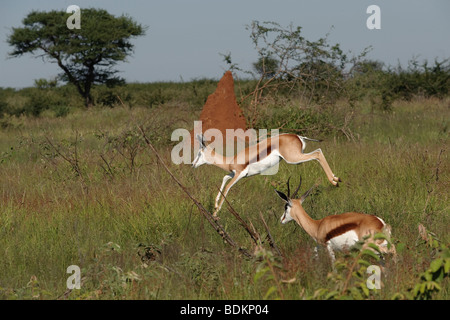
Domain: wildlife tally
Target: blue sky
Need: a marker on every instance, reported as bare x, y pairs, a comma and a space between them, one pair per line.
184, 38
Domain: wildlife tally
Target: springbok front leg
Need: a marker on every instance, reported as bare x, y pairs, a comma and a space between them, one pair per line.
224, 181
234, 179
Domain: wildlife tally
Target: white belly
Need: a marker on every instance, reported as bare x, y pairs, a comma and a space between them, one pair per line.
268, 162
343, 241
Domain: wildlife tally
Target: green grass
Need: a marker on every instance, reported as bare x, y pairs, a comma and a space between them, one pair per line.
136, 235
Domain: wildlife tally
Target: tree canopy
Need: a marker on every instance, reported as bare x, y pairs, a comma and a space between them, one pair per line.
86, 56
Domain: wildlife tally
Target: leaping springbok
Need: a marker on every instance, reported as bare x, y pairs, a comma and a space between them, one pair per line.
336, 232
258, 158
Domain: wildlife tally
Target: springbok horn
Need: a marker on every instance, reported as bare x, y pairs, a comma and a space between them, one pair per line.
303, 197
298, 188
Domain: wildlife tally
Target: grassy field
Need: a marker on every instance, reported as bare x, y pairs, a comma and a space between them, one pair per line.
84, 190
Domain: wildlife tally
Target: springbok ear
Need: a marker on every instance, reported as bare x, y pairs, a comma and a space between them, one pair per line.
282, 196
201, 140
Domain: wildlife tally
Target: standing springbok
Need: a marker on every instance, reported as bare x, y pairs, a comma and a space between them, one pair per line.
258, 158
336, 232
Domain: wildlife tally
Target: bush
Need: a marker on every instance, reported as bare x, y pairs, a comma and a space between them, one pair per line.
369, 79
291, 117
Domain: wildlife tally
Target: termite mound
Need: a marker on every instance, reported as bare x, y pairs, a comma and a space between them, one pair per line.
221, 111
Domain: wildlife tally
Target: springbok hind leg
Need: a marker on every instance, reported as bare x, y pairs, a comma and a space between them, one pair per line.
323, 162
318, 155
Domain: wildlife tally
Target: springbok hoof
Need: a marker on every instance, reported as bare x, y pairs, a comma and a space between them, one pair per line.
214, 215
335, 183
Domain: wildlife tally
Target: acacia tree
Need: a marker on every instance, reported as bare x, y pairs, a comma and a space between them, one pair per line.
87, 55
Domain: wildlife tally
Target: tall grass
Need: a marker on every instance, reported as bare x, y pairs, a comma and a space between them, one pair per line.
135, 235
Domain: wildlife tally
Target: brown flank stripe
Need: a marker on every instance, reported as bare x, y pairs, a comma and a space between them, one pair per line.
340, 230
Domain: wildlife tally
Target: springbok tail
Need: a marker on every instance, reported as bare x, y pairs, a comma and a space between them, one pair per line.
387, 230
309, 139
